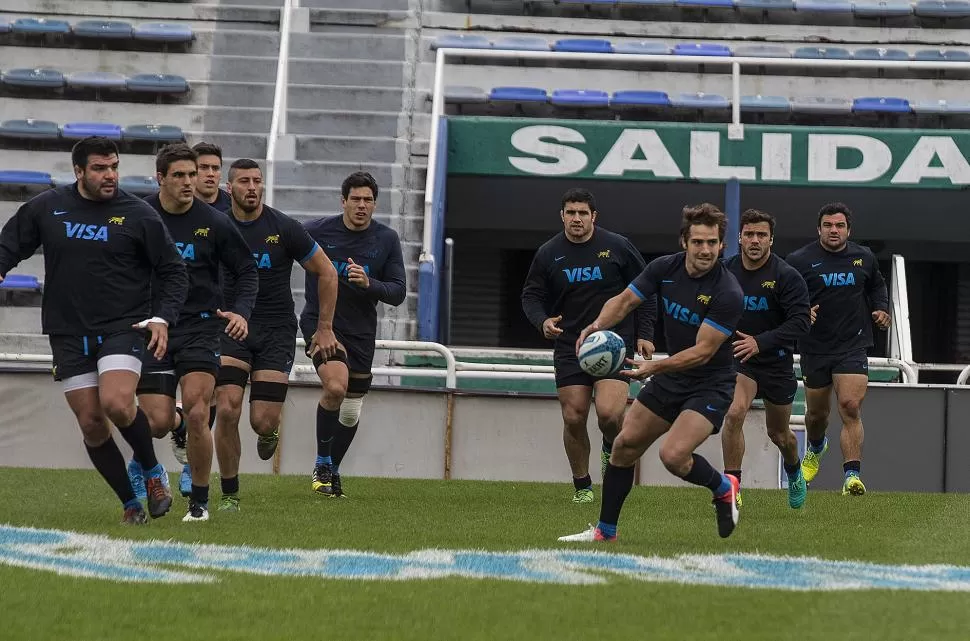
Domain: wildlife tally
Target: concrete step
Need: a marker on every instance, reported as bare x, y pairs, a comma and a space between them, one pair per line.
14, 343
231, 14
342, 71
322, 122
351, 149
339, 97
19, 320
325, 173
372, 5
59, 162
326, 200
347, 46
322, 14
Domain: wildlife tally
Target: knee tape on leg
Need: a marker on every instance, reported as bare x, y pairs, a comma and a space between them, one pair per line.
350, 411
356, 385
229, 375
267, 391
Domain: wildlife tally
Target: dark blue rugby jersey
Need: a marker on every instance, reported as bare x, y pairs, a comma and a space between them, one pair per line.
775, 308
378, 250
713, 299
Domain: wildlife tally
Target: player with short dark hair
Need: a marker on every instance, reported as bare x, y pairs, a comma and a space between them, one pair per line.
266, 355
775, 316
102, 248
206, 240
848, 294
370, 265
572, 275
689, 392
207, 187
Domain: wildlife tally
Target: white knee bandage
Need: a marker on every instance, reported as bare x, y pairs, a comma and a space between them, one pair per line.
350, 411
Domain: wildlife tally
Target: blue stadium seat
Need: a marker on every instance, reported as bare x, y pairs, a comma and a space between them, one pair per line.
765, 104
642, 47
30, 128
881, 105
882, 8
762, 51
461, 41
880, 53
23, 177
78, 130
942, 55
637, 98
153, 133
701, 49
583, 45
824, 6
41, 26
96, 80
942, 8
706, 4
767, 5
579, 98
457, 94
518, 94
103, 30
521, 43
157, 83
941, 107
646, 3
34, 78
139, 185
827, 53
700, 100
821, 105
163, 32
21, 281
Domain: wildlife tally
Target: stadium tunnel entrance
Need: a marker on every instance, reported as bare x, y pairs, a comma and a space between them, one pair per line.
498, 222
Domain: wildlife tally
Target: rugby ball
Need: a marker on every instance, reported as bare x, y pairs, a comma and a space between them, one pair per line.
602, 353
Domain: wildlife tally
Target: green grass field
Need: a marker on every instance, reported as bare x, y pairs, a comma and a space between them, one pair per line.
401, 516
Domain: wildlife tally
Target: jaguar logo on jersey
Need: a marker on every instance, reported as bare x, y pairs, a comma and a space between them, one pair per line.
116, 220
857, 262
603, 254
86, 232
756, 303
704, 299
583, 274
838, 279
202, 232
273, 240
678, 312
768, 284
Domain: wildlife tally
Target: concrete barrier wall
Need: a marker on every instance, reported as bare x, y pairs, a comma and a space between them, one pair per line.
915, 439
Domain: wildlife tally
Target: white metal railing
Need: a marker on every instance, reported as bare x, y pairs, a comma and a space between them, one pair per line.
900, 341
277, 125
735, 128
964, 375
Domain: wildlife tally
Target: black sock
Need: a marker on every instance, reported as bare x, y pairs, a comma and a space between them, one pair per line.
607, 446
212, 416
701, 473
327, 425
736, 473
200, 493
345, 436
139, 437
230, 485
109, 462
616, 486
852, 466
180, 430
790, 470
582, 483
817, 444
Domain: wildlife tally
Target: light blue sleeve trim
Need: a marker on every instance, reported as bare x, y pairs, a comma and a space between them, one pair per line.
719, 328
636, 291
310, 255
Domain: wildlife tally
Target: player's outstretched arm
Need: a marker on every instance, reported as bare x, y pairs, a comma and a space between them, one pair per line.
319, 265
709, 339
614, 310
19, 238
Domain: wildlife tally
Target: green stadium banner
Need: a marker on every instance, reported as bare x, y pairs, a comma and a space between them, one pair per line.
624, 150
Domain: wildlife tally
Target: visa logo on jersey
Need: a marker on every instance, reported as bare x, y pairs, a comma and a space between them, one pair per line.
583, 274
756, 303
679, 312
187, 250
838, 279
262, 260
86, 232
343, 267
